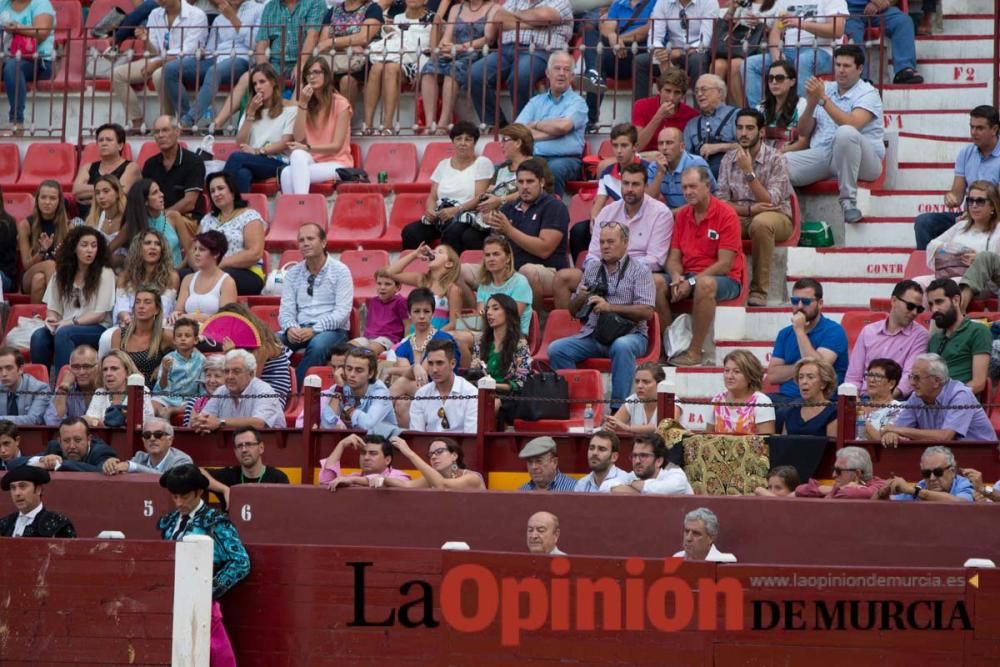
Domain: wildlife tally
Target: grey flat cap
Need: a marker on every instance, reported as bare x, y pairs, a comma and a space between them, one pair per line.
537, 447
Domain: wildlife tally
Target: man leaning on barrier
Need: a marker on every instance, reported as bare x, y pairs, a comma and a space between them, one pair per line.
159, 455
248, 445
941, 481
244, 400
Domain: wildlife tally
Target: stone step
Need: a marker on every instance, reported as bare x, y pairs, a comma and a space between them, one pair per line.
936, 96
848, 262
763, 324
950, 7
760, 348
924, 176
887, 232
903, 203
929, 121
954, 46
935, 147
947, 70
967, 23
851, 291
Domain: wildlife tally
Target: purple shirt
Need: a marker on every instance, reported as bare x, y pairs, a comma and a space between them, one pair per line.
969, 424
875, 342
649, 232
386, 318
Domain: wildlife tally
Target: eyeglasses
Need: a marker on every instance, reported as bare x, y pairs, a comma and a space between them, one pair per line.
310, 281
81, 367
443, 416
913, 306
436, 452
777, 78
642, 455
504, 140
245, 445
937, 472
837, 471
916, 377
976, 201
153, 435
874, 376
802, 300
315, 72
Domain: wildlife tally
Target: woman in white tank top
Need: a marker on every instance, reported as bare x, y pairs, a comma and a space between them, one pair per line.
209, 287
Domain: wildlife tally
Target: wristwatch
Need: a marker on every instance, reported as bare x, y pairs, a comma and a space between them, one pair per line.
916, 492
692, 281
822, 102
988, 490
751, 177
222, 423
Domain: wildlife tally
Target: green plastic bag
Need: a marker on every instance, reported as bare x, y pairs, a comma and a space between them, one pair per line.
816, 234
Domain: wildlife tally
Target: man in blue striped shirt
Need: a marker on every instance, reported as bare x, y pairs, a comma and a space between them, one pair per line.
316, 301
539, 455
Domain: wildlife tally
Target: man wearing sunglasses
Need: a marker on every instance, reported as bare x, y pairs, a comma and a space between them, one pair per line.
964, 345
927, 415
810, 334
159, 455
897, 337
852, 478
941, 481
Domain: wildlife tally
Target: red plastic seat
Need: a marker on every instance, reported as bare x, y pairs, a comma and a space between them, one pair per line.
560, 324
268, 315
67, 71
18, 204
290, 257
793, 240
258, 202
406, 208
293, 406
290, 211
433, 154
494, 151
584, 386
579, 206
70, 23
471, 257
89, 153
325, 375
357, 217
916, 265
397, 159
38, 371
221, 150
653, 332
363, 264
149, 149
856, 320
10, 164
534, 334
832, 187
47, 161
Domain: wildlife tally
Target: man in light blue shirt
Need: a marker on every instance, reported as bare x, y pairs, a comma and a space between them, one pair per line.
941, 481
843, 121
23, 398
363, 400
557, 120
671, 161
316, 301
602, 454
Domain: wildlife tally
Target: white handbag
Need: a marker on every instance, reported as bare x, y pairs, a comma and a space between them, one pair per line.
20, 336
275, 280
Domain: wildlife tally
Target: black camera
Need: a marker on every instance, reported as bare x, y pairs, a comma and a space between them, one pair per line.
599, 288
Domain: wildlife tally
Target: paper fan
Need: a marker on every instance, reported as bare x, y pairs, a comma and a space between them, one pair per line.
235, 327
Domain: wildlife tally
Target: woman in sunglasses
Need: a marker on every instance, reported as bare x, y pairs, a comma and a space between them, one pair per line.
79, 299
446, 470
950, 254
782, 107
209, 288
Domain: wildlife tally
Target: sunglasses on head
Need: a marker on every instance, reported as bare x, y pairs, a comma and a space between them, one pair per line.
776, 78
913, 306
443, 416
802, 300
937, 472
152, 435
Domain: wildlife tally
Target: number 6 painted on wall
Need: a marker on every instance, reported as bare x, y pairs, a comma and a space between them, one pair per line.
245, 513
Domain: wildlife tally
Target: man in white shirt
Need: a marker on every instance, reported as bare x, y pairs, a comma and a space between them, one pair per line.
681, 35
650, 471
173, 29
543, 534
810, 29
31, 518
701, 528
602, 454
244, 400
436, 407
843, 122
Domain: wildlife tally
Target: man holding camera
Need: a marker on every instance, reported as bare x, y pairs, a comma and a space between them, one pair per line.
616, 299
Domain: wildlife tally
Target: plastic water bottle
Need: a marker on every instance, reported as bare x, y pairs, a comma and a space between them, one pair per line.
588, 418
859, 423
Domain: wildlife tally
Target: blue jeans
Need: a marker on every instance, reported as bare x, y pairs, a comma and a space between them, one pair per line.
317, 350
210, 72
808, 62
247, 168
137, 17
567, 352
898, 29
563, 169
16, 75
526, 67
929, 226
46, 348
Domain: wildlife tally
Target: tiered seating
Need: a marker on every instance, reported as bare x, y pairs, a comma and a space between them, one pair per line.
47, 161
290, 211
357, 218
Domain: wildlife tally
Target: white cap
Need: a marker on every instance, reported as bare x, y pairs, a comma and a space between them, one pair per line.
455, 546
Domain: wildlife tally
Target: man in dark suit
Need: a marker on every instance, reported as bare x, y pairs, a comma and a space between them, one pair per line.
31, 518
75, 451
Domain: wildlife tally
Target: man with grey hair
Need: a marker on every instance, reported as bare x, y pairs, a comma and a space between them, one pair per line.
179, 173
926, 415
543, 534
712, 133
159, 456
941, 480
705, 262
244, 400
701, 528
557, 119
852, 478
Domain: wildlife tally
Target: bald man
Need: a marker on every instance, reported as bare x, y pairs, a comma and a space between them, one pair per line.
543, 534
671, 161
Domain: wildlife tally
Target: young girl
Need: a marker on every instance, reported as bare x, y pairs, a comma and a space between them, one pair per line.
180, 370
633, 416
107, 215
39, 237
387, 319
441, 278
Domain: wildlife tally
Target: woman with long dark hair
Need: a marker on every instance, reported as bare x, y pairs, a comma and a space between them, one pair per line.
502, 352
80, 296
445, 468
145, 209
244, 231
265, 131
322, 131
107, 215
39, 237
782, 107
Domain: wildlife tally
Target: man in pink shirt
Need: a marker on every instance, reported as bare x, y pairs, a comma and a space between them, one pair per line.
898, 337
852, 478
376, 463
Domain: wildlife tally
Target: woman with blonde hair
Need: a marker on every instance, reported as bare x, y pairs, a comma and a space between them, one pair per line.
951, 253
497, 276
107, 215
817, 382
107, 406
743, 376
144, 340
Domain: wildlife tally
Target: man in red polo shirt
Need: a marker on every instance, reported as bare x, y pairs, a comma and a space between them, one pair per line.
706, 258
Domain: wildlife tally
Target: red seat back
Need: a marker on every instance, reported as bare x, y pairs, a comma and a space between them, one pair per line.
290, 211
560, 324
433, 154
324, 373
10, 164
38, 371
494, 152
854, 321
44, 161
363, 264
397, 159
916, 265
258, 202
18, 204
70, 23
357, 217
268, 315
221, 150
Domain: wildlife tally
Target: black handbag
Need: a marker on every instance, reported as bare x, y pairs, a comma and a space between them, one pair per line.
612, 326
731, 39
543, 384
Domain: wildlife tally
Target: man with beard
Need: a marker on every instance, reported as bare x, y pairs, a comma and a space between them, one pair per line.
753, 179
650, 224
249, 446
602, 454
650, 471
809, 335
897, 337
963, 344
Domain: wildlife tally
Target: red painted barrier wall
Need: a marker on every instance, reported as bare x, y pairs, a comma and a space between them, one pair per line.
91, 602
